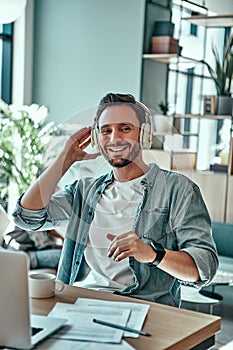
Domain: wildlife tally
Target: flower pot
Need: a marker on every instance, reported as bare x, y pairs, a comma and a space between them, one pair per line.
225, 105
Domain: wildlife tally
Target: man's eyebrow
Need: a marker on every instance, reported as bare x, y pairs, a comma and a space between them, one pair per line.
121, 124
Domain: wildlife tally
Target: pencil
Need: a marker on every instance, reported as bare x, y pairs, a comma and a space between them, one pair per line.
123, 328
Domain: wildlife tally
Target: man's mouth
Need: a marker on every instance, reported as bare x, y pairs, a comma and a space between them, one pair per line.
117, 149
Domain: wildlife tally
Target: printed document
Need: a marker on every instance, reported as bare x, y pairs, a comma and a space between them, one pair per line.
136, 318
80, 325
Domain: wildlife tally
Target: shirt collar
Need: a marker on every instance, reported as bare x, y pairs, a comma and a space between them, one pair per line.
149, 177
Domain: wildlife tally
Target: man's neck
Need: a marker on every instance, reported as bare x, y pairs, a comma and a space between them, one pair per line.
130, 171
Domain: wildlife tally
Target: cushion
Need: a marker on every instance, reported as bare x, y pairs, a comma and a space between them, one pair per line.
223, 237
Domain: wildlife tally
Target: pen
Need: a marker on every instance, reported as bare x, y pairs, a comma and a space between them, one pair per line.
123, 328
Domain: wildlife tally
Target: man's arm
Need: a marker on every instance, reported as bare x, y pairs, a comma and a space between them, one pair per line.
39, 193
179, 264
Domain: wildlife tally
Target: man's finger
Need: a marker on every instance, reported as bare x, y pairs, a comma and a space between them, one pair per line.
110, 236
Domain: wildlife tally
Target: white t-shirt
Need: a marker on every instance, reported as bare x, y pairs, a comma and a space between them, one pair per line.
114, 213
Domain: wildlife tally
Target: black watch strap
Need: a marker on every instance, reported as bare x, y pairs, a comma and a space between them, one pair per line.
160, 252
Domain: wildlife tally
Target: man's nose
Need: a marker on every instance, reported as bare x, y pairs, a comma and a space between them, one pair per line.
115, 135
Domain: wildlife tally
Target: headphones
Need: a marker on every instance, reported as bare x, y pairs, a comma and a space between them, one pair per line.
146, 133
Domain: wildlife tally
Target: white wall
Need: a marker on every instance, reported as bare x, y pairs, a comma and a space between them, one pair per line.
84, 49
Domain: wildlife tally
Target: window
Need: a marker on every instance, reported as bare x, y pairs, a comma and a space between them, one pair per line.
6, 44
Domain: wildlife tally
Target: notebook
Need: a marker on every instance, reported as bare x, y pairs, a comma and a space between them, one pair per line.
19, 329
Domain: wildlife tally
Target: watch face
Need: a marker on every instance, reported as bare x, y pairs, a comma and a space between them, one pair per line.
156, 246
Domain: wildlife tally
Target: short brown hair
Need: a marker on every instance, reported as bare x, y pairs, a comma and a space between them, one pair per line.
111, 99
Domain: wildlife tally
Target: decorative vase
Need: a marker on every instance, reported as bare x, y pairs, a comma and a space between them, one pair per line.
225, 105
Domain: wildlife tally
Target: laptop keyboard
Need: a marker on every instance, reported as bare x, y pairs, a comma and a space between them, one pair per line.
35, 330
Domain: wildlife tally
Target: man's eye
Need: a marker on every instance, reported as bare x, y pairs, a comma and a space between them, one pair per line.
126, 128
106, 131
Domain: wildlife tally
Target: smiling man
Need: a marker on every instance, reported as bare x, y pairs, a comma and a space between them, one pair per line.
138, 230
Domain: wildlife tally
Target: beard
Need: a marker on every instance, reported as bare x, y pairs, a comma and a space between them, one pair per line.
119, 160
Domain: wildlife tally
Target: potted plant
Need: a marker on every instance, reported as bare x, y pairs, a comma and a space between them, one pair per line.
164, 107
24, 136
222, 75
162, 120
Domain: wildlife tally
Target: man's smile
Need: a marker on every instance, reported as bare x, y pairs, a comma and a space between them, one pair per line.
117, 149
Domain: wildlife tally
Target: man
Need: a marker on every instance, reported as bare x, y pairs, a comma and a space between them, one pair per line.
138, 230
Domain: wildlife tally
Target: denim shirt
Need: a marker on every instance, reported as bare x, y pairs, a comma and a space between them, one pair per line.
171, 212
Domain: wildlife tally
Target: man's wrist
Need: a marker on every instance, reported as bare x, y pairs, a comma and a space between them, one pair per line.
160, 252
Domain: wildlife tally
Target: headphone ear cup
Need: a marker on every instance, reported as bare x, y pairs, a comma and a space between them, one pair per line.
145, 136
94, 139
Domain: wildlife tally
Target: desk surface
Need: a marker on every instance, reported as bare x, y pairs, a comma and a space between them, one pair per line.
170, 327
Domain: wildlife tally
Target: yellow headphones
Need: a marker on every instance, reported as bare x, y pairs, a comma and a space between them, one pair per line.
146, 133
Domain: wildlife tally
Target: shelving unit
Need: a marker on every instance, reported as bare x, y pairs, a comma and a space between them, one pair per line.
203, 116
170, 58
211, 183
211, 21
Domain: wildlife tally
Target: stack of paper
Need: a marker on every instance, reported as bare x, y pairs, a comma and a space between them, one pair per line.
136, 318
81, 328
54, 344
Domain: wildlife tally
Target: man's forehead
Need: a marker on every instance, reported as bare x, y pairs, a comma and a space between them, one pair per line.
120, 114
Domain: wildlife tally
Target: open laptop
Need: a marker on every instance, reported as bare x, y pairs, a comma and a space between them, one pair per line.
19, 329
4, 220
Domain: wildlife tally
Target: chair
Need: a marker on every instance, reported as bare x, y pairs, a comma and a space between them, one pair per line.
192, 298
223, 237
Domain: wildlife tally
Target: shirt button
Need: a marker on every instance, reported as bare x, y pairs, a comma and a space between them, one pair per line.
77, 262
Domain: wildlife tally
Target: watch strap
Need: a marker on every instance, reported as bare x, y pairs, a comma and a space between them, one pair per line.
160, 252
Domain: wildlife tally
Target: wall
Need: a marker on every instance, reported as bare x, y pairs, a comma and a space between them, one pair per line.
84, 49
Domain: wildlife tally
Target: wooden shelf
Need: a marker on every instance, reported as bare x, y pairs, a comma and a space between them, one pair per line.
188, 133
170, 58
200, 116
219, 21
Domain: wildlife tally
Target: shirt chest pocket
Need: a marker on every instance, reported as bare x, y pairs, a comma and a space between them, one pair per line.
154, 223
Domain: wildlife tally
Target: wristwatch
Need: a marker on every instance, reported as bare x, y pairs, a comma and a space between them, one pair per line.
160, 252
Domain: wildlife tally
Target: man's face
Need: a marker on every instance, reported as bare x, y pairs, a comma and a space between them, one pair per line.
119, 135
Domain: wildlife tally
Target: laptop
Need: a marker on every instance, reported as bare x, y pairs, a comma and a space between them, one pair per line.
4, 220
19, 329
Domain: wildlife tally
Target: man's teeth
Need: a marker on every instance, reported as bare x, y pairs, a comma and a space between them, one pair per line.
117, 149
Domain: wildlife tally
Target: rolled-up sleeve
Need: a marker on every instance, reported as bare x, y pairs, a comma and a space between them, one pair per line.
192, 225
55, 215
30, 219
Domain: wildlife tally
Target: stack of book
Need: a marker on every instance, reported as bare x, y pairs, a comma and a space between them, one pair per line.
162, 40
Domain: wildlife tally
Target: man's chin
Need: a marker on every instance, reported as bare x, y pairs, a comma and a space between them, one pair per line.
119, 163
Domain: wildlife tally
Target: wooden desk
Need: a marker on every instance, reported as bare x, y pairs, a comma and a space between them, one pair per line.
171, 328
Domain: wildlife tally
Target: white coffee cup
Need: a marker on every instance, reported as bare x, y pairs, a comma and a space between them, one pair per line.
43, 285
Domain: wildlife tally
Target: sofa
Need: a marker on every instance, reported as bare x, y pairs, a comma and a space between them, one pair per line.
223, 237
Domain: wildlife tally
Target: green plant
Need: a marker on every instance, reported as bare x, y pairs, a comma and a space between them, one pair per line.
164, 107
222, 73
24, 136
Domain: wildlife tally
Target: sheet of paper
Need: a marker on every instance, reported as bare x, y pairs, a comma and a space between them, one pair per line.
55, 344
80, 325
137, 315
